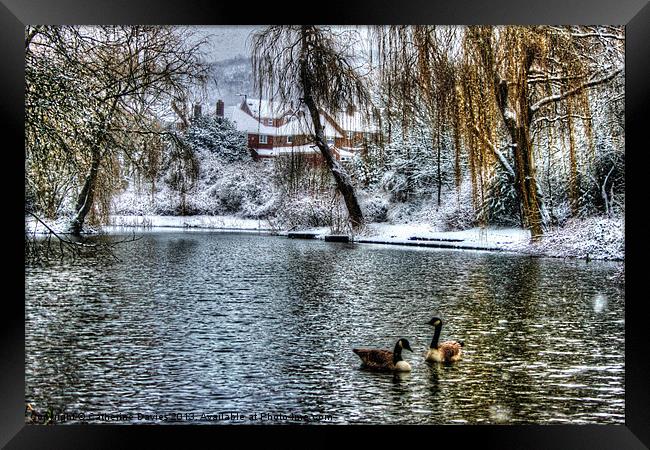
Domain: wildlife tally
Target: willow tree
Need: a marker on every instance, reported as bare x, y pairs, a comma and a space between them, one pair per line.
419, 79
509, 80
313, 65
92, 97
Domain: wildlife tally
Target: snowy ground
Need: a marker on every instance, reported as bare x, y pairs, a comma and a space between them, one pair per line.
488, 238
209, 222
592, 238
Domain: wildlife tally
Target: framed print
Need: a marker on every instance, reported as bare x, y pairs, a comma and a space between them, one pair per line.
406, 214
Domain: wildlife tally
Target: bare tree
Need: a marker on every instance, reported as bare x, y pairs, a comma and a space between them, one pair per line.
93, 92
313, 66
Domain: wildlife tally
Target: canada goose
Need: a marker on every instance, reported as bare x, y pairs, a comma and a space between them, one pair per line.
385, 359
448, 351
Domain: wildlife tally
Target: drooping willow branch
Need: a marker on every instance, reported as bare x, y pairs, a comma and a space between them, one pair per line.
74, 248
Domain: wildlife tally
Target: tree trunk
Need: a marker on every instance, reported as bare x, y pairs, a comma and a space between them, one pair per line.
603, 189
518, 126
343, 181
526, 183
438, 160
85, 198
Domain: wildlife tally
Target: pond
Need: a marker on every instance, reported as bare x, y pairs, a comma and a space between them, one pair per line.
215, 328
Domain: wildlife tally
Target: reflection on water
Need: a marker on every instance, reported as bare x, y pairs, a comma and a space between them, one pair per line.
195, 323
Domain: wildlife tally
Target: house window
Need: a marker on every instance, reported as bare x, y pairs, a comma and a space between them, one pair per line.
269, 122
350, 135
264, 139
289, 139
330, 141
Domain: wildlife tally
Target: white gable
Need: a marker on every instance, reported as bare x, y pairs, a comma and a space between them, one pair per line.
266, 108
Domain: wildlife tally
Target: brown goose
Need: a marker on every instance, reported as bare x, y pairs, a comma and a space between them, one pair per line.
385, 359
448, 351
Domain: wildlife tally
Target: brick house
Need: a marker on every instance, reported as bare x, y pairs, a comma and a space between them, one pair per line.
274, 129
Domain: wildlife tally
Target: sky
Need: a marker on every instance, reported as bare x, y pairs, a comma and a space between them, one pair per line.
226, 41
229, 41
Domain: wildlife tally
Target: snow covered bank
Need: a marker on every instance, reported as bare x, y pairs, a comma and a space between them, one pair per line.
208, 222
591, 238
488, 238
404, 234
58, 226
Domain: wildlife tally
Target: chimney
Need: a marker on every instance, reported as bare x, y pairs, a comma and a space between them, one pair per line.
220, 108
197, 110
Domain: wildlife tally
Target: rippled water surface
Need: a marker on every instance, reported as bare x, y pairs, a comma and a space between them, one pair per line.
207, 323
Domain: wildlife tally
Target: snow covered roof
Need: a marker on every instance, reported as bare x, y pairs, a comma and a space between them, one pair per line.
303, 125
267, 108
244, 122
295, 127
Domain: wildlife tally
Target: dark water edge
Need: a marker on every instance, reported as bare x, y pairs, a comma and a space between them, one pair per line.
206, 324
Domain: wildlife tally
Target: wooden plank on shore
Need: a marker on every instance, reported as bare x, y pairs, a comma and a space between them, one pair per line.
337, 238
414, 238
432, 244
295, 235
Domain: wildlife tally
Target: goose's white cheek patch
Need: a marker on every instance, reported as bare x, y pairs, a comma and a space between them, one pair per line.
403, 366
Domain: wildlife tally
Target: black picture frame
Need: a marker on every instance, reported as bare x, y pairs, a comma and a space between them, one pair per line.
15, 14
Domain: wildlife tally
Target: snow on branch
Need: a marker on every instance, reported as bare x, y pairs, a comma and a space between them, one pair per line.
595, 33
553, 98
600, 35
502, 159
559, 118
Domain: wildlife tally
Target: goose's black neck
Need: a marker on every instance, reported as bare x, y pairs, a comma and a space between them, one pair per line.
436, 336
397, 353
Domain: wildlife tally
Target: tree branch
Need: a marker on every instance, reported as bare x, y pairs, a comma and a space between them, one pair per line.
574, 91
502, 159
